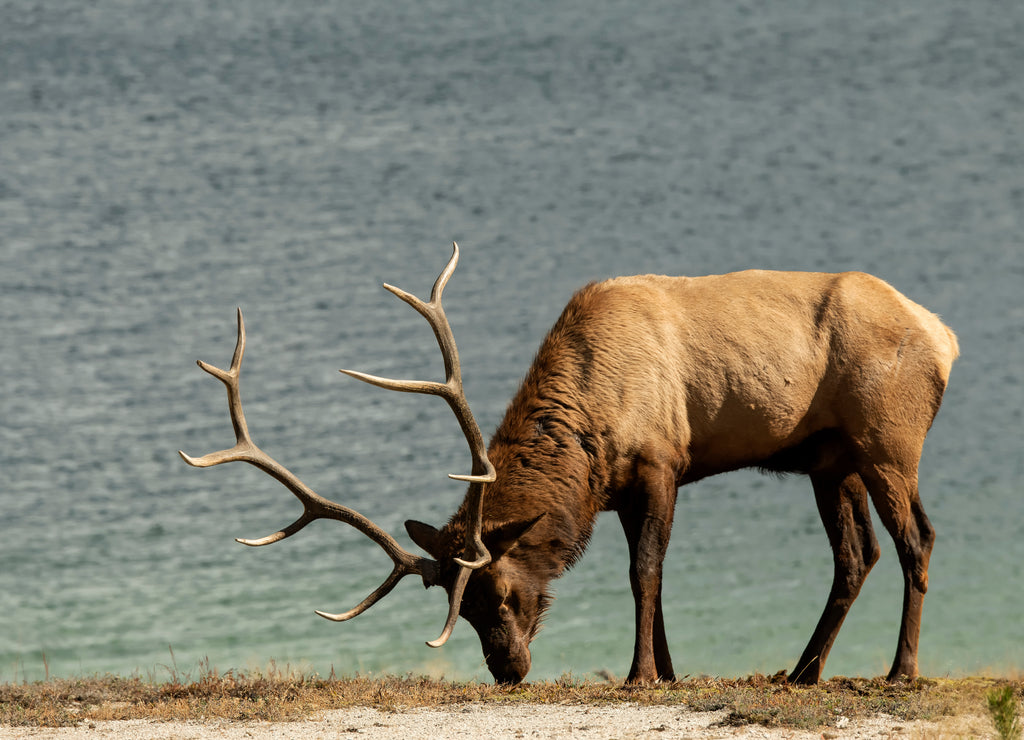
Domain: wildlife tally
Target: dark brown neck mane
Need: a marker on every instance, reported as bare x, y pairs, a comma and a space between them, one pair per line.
547, 455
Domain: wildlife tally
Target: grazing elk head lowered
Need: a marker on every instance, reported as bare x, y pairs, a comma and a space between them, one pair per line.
647, 383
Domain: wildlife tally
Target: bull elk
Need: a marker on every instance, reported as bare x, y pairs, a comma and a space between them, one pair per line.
645, 384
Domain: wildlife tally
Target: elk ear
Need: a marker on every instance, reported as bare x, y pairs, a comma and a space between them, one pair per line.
506, 536
425, 536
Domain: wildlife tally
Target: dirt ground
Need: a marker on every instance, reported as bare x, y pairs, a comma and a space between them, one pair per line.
490, 721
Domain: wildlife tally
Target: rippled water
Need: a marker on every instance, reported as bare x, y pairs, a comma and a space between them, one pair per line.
163, 163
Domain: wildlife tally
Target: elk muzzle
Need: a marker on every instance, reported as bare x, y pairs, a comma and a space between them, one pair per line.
508, 663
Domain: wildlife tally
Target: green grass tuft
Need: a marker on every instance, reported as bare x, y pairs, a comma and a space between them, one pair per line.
1002, 705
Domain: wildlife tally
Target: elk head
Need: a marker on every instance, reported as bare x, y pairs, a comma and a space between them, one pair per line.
504, 600
450, 567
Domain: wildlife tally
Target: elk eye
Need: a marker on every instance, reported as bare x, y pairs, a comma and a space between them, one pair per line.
500, 589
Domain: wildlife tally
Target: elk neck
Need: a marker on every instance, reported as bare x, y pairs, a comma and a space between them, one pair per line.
549, 460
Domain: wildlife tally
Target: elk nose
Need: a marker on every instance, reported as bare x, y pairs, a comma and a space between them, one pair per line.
511, 669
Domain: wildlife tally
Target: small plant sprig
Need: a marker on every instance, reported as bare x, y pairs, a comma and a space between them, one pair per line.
1002, 705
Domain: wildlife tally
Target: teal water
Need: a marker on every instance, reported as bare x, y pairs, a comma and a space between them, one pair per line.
163, 163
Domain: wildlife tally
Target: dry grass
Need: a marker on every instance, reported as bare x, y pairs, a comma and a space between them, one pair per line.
279, 696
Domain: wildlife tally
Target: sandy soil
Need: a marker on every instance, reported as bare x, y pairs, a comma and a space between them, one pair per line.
521, 721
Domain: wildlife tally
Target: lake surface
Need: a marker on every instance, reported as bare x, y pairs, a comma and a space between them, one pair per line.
163, 163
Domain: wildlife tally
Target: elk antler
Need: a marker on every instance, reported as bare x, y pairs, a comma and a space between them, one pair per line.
476, 554
314, 506
317, 507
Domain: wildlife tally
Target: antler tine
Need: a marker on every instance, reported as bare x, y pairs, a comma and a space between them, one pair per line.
383, 590
454, 602
314, 505
452, 391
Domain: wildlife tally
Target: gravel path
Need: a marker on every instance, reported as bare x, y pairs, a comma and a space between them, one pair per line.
521, 721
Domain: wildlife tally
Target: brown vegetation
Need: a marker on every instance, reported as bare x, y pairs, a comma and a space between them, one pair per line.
277, 696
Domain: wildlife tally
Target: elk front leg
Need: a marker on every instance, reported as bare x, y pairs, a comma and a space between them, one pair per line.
843, 506
647, 522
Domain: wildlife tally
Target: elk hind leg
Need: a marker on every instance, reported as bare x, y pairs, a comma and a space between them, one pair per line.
843, 505
895, 494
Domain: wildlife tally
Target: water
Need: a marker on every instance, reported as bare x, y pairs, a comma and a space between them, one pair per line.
163, 163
